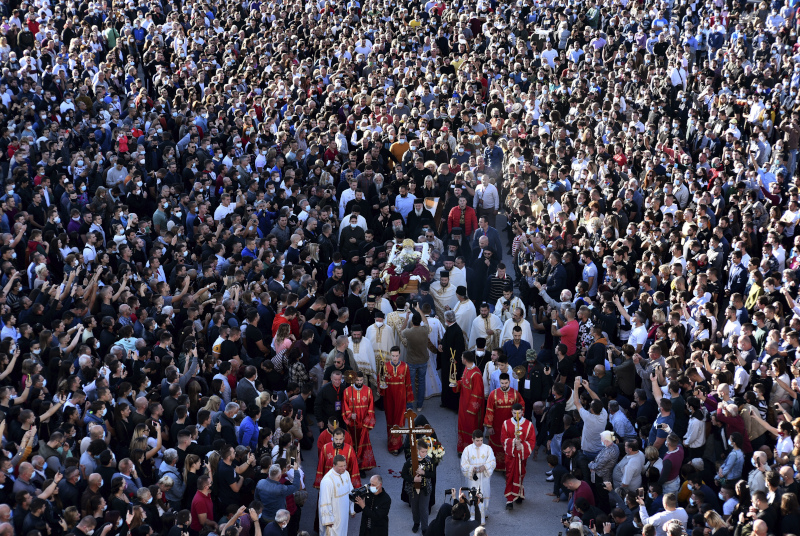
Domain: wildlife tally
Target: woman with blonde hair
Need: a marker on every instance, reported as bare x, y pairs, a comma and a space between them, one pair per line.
602, 466
213, 404
716, 523
651, 459
141, 440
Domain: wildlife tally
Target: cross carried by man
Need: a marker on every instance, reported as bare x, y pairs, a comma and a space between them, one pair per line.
409, 416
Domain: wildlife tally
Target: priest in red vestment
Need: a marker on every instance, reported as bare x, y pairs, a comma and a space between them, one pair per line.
359, 415
470, 403
519, 440
498, 411
397, 397
326, 436
329, 451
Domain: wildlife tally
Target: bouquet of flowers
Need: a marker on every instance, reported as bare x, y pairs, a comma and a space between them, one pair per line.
436, 450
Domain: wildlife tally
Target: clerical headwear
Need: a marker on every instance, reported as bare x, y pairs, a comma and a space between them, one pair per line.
379, 314
445, 273
480, 342
461, 290
370, 299
425, 286
455, 231
356, 327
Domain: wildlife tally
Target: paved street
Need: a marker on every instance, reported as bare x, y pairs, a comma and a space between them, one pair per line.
538, 511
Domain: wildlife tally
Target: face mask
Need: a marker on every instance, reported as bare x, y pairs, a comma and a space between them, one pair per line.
480, 352
80, 163
378, 324
373, 489
36, 352
97, 345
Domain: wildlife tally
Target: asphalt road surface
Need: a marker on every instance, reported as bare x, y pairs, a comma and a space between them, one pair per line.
538, 511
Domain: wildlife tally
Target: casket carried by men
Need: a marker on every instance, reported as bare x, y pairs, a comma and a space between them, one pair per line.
406, 268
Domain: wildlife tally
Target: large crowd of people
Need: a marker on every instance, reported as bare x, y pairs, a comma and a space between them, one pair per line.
203, 209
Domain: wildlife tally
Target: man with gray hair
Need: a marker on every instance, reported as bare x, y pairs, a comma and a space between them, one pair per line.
450, 348
227, 425
620, 422
169, 468
272, 493
277, 527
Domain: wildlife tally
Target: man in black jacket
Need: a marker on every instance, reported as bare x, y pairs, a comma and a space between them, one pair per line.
423, 476
574, 461
535, 386
329, 400
375, 521
226, 428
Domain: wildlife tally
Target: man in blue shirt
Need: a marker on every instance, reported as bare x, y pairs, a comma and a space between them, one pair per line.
663, 426
516, 348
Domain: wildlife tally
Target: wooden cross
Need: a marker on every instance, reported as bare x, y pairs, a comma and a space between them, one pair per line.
426, 430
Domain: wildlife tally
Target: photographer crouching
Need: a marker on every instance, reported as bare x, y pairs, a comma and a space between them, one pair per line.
374, 504
454, 518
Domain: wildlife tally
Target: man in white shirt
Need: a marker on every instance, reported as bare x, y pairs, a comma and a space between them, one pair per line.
347, 196
224, 208
670, 512
638, 336
487, 200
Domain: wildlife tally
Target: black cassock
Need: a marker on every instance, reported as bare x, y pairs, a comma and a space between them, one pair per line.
453, 340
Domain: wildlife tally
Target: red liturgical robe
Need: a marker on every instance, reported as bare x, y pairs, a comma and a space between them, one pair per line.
359, 402
470, 406
498, 411
516, 457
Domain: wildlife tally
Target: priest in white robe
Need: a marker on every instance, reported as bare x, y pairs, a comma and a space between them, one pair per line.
465, 312
335, 508
444, 295
517, 319
364, 356
504, 308
458, 276
381, 337
433, 382
477, 465
488, 326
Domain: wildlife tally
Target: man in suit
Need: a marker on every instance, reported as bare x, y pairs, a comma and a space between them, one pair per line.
484, 229
246, 389
557, 276
737, 277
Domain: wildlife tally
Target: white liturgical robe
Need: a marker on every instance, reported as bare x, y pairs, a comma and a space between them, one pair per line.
471, 459
364, 354
507, 334
489, 328
443, 298
382, 338
465, 314
335, 507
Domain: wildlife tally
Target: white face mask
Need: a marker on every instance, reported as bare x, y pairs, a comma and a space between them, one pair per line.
378, 324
